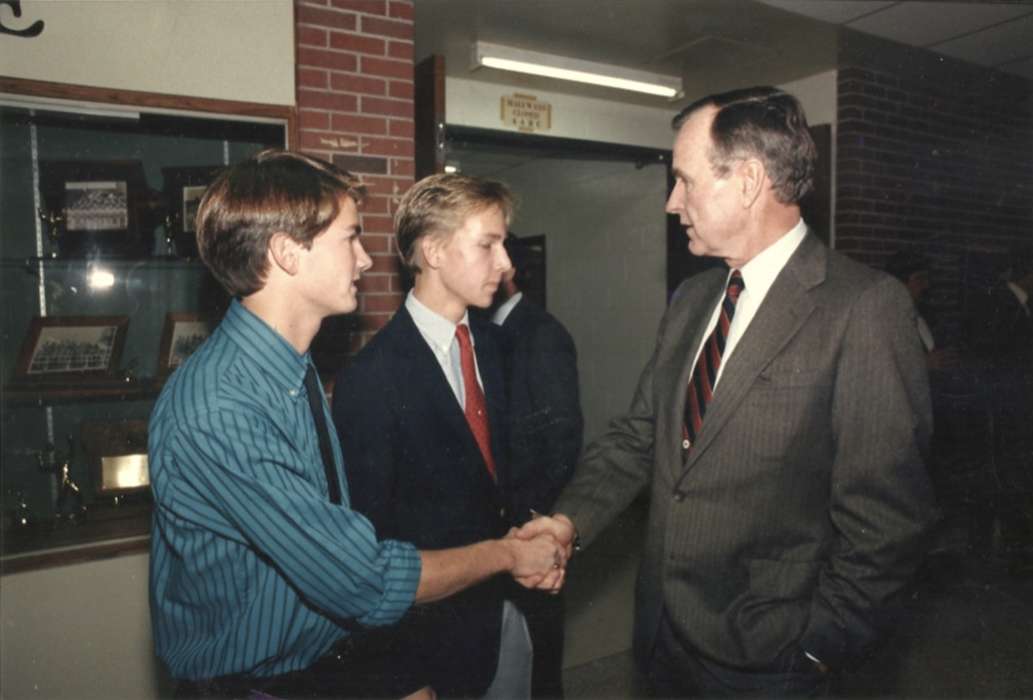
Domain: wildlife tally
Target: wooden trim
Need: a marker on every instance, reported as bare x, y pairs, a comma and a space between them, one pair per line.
77, 555
136, 98
80, 388
429, 116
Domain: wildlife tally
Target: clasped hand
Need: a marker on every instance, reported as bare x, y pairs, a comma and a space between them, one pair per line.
547, 543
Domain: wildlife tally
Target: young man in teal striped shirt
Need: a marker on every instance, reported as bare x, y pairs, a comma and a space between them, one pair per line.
263, 579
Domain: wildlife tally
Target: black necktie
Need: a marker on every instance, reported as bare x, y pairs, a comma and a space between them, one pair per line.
315, 401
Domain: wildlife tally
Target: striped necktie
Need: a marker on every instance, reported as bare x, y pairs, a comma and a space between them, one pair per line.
704, 374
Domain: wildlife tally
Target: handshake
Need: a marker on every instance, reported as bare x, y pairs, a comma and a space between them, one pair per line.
540, 550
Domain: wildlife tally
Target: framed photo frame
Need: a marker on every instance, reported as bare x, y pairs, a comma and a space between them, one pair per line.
94, 208
60, 347
183, 188
117, 456
182, 335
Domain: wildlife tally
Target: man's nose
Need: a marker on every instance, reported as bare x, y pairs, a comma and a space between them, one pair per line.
365, 262
672, 199
503, 262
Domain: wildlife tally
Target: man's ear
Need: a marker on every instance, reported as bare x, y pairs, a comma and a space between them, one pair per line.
430, 251
753, 179
283, 252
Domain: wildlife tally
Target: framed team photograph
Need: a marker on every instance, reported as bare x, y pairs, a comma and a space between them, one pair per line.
94, 207
61, 346
183, 189
182, 335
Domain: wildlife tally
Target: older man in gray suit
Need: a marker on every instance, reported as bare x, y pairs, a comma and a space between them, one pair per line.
782, 423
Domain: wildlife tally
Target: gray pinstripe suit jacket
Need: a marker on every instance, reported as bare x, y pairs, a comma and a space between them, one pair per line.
801, 510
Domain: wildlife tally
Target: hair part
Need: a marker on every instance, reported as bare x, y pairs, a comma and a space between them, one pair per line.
764, 123
274, 191
439, 205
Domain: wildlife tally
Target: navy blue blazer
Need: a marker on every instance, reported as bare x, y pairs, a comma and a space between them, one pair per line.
545, 422
414, 469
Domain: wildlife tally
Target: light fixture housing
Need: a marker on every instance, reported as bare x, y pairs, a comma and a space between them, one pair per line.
563, 68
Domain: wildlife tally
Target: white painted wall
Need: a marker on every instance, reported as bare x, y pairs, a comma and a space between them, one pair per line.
817, 94
222, 49
78, 632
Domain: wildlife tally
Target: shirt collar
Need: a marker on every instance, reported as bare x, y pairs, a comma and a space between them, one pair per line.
437, 329
502, 313
760, 272
269, 350
1021, 295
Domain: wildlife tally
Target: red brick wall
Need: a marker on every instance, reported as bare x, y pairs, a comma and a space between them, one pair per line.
933, 166
355, 107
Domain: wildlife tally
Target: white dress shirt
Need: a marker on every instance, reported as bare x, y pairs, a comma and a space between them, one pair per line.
440, 334
758, 275
502, 313
1021, 295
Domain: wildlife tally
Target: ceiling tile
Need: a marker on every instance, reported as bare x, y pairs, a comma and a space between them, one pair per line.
834, 12
1002, 43
930, 23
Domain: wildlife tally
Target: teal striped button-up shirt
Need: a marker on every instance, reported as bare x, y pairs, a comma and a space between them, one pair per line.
253, 570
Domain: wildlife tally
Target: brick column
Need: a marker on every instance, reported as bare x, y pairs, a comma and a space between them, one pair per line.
928, 166
355, 107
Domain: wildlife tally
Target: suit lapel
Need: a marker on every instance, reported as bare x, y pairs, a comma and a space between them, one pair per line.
696, 307
423, 372
785, 308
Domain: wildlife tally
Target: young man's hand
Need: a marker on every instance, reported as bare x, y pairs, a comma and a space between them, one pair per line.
557, 525
538, 561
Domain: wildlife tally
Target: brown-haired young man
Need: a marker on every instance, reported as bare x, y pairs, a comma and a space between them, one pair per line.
262, 575
421, 414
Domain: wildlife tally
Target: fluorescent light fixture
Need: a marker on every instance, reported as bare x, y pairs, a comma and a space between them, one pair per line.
563, 68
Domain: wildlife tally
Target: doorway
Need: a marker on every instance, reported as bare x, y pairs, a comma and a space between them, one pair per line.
599, 210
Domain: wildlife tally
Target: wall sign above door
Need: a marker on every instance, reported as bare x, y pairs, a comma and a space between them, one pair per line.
526, 113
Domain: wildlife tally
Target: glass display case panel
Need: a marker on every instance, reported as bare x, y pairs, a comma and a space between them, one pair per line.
101, 297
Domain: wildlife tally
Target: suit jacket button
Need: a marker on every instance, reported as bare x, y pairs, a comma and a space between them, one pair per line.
502, 512
679, 496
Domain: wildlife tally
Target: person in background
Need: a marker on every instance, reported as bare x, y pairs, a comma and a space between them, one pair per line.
999, 338
782, 424
263, 579
545, 433
421, 413
912, 270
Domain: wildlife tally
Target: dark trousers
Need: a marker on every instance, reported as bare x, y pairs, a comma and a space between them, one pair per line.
355, 668
544, 615
676, 672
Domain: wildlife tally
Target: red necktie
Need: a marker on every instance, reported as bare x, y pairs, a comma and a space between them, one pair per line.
704, 374
476, 411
